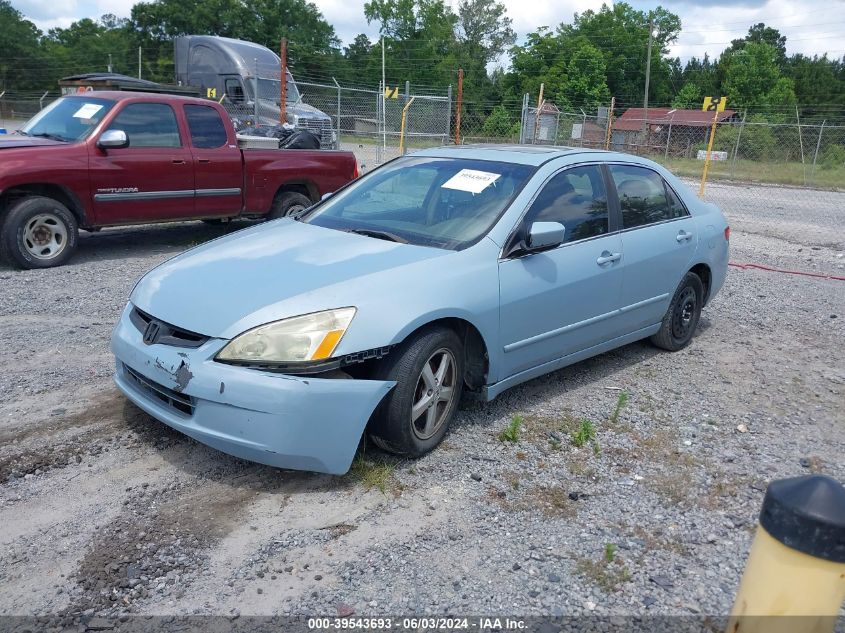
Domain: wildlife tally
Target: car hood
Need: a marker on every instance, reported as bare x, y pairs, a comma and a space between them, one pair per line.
9, 141
273, 271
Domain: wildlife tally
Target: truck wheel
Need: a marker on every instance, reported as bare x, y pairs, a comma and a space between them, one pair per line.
289, 204
38, 232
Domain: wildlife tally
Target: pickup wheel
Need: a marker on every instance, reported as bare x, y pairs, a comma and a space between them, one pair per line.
38, 232
289, 204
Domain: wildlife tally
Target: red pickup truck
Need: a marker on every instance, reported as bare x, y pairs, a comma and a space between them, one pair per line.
109, 158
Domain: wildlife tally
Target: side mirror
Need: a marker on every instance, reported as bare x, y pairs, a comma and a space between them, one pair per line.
327, 195
545, 235
113, 139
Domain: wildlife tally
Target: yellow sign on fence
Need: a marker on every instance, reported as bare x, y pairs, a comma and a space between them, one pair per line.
714, 104
211, 93
391, 93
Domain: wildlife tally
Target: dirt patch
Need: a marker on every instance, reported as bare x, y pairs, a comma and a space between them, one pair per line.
156, 544
110, 423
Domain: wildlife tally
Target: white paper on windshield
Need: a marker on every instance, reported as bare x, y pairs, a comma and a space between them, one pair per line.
471, 180
87, 111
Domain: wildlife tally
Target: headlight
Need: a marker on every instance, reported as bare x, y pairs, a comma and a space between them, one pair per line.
302, 338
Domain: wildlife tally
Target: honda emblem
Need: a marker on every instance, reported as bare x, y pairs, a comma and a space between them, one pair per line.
151, 332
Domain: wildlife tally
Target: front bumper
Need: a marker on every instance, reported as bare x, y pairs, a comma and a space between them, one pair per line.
302, 423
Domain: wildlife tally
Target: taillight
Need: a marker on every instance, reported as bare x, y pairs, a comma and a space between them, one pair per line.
355, 172
727, 234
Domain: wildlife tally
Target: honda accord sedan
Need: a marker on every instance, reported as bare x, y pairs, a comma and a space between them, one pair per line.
454, 271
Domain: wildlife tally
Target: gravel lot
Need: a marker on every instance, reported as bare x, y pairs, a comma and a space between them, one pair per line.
105, 511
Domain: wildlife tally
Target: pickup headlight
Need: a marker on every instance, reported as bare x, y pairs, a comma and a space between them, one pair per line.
297, 339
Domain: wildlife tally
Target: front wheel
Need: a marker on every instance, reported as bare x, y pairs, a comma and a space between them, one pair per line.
681, 319
429, 373
38, 232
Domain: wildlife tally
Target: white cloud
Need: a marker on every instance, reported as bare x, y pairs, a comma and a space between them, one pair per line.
47, 10
811, 28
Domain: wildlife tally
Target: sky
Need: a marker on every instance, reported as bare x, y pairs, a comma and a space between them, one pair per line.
813, 27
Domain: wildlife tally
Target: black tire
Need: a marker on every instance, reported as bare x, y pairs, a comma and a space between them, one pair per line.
38, 232
289, 204
392, 428
681, 319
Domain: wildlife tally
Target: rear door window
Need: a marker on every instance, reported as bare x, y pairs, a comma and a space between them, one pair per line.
644, 197
148, 125
575, 198
206, 127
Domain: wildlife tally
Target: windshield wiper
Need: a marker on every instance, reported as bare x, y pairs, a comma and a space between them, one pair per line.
54, 137
381, 235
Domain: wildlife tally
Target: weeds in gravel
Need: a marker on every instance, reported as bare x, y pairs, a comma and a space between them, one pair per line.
553, 501
375, 474
655, 539
621, 401
511, 432
586, 434
608, 572
512, 478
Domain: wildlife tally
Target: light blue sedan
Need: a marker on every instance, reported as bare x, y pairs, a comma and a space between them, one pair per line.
459, 270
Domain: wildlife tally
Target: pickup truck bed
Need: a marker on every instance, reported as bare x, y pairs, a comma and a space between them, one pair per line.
109, 158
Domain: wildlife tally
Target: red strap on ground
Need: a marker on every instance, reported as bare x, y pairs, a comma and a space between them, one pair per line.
786, 272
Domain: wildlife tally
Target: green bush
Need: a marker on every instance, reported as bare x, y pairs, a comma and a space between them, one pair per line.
832, 157
756, 142
500, 124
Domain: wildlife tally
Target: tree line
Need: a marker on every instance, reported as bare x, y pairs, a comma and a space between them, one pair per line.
580, 64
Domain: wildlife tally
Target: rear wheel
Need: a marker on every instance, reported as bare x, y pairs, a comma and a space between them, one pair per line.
428, 370
38, 232
681, 319
289, 204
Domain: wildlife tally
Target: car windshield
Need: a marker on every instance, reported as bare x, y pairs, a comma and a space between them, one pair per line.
441, 202
68, 119
270, 90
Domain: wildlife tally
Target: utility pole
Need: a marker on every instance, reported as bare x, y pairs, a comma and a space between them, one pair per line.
459, 106
283, 85
139, 62
539, 111
648, 74
109, 62
383, 99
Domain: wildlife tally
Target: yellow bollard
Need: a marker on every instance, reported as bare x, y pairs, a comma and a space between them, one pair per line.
794, 581
402, 129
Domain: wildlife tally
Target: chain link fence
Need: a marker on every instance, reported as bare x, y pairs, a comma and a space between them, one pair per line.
365, 121
755, 161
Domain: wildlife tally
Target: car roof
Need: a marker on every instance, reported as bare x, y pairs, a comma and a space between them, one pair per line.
533, 155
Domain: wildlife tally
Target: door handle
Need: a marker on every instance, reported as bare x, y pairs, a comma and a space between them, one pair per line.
607, 257
683, 236
178, 161
203, 161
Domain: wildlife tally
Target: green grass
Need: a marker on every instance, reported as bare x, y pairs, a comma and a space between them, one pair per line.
620, 404
377, 474
603, 573
609, 552
758, 171
511, 432
584, 433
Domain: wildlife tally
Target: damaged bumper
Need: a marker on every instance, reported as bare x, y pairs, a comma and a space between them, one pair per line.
302, 423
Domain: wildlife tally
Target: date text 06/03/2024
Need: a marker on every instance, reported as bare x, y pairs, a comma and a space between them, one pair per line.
417, 624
